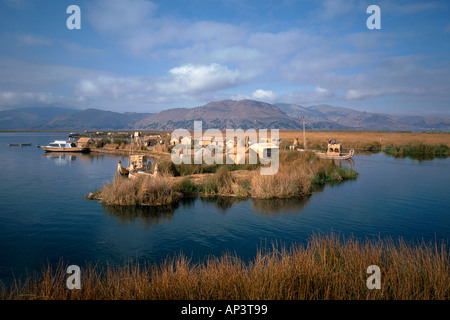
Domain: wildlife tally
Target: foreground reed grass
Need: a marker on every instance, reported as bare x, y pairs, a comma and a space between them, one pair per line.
326, 267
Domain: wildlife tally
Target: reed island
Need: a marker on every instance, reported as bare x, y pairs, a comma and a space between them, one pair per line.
298, 175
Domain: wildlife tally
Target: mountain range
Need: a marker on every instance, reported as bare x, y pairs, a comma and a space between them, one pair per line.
226, 114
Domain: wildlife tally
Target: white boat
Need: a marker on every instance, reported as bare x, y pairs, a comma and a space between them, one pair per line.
63, 146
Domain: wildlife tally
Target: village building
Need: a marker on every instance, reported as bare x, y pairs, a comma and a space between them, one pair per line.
151, 140
83, 142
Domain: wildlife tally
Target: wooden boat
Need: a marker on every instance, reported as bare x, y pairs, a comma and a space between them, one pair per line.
334, 153
63, 146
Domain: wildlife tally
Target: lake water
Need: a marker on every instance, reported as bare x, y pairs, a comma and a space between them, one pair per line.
44, 216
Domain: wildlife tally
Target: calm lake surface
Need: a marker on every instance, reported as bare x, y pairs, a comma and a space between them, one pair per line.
45, 218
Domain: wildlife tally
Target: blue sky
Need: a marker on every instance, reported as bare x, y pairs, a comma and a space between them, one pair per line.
146, 56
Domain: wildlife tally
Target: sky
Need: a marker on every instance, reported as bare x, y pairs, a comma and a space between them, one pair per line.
147, 56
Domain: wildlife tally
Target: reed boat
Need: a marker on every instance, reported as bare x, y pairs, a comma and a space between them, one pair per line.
334, 152
63, 146
138, 166
121, 170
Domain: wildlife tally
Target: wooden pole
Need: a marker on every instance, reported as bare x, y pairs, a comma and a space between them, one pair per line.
304, 136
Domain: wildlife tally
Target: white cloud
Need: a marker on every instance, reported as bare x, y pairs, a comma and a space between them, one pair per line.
17, 98
309, 96
265, 95
34, 40
185, 82
111, 86
192, 79
335, 8
409, 7
120, 17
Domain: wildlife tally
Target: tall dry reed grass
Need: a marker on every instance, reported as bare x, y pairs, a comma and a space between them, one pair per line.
154, 191
370, 140
326, 267
297, 174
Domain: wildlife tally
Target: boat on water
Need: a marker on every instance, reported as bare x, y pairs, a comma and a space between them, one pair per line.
63, 146
19, 144
333, 149
334, 152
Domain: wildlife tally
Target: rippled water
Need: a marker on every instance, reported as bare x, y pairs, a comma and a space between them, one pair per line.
44, 216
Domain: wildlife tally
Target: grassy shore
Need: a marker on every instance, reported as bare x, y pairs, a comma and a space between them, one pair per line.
298, 173
418, 150
326, 267
366, 140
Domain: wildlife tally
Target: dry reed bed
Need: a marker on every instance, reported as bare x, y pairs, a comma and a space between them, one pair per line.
327, 267
366, 139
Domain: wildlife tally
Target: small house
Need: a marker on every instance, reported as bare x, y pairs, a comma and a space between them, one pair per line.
151, 140
83, 142
138, 162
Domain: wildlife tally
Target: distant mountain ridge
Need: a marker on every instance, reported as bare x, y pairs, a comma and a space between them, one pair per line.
362, 120
93, 119
28, 118
226, 114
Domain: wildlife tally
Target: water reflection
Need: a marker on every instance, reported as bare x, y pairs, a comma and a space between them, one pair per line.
148, 215
346, 163
64, 158
152, 215
271, 207
420, 158
222, 203
61, 158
